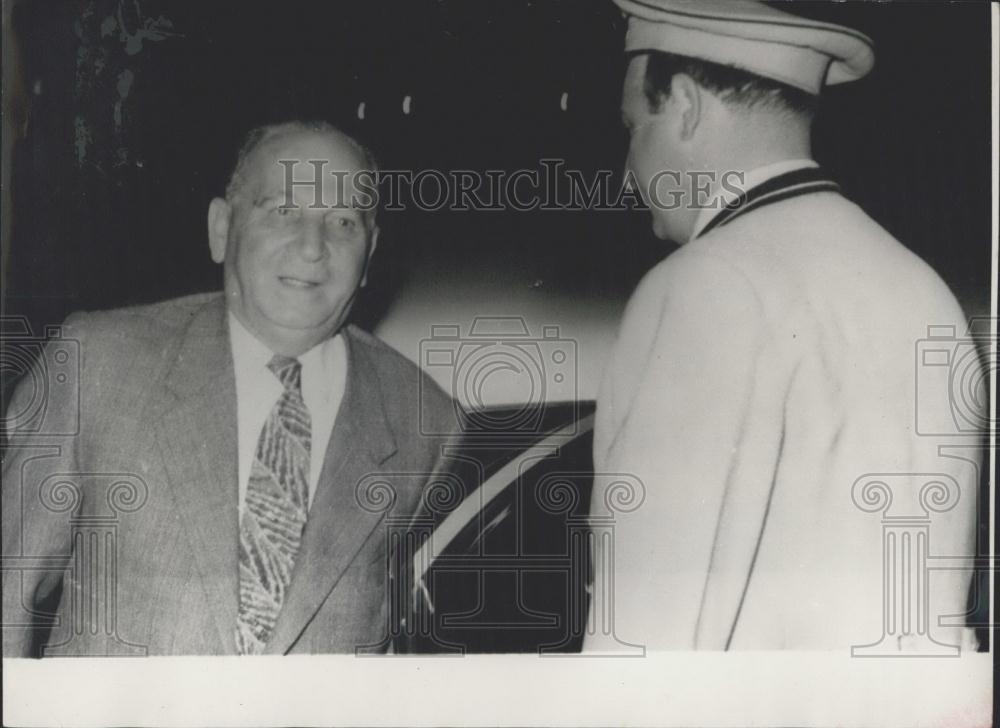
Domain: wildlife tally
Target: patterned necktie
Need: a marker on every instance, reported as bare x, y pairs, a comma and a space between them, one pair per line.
274, 510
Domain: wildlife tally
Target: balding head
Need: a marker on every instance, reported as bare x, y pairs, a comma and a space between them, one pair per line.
260, 136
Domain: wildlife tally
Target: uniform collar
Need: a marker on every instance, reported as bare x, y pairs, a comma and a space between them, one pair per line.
722, 197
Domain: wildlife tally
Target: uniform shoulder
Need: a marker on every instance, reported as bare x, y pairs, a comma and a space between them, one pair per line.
697, 270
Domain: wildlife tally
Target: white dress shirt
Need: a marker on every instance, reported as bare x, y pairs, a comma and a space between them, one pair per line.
324, 375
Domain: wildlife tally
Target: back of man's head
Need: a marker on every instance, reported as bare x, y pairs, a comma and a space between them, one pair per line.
739, 89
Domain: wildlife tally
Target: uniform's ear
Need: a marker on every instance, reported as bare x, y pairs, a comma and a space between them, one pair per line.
371, 251
685, 96
219, 214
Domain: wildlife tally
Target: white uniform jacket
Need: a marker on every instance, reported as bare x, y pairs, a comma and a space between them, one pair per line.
767, 377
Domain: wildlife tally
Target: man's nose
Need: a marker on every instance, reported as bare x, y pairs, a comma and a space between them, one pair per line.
311, 244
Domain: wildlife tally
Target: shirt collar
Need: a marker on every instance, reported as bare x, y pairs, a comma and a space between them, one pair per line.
249, 352
722, 196
328, 357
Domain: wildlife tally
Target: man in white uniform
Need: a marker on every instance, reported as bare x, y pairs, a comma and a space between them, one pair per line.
767, 366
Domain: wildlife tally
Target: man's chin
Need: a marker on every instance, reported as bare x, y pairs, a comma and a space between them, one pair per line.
287, 331
660, 229
306, 326
666, 232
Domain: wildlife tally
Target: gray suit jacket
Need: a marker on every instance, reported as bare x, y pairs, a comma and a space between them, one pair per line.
131, 497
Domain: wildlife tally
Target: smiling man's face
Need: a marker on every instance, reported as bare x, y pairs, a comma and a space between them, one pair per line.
292, 272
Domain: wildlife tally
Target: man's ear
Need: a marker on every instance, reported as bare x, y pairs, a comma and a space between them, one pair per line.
371, 251
219, 214
685, 94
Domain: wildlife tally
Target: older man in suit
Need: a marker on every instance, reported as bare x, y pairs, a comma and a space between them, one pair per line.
763, 385
229, 437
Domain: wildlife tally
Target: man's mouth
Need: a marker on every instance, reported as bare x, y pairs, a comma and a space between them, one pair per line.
300, 283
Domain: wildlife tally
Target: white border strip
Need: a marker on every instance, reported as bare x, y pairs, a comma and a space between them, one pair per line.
994, 231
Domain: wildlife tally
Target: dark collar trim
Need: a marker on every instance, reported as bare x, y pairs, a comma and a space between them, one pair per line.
784, 186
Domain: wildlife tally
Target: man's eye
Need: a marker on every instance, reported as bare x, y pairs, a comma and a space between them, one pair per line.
345, 223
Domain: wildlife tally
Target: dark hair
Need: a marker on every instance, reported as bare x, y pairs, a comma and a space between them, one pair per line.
733, 85
258, 135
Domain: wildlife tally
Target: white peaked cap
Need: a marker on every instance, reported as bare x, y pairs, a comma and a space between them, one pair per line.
755, 37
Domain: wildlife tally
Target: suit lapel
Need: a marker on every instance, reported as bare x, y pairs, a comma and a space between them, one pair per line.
197, 431
338, 526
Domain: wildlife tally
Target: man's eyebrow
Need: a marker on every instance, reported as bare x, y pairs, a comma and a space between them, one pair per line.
270, 195
352, 207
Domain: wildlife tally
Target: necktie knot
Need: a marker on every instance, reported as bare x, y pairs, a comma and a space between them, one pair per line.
288, 371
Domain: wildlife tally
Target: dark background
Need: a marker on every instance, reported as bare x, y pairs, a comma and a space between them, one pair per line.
135, 108
127, 114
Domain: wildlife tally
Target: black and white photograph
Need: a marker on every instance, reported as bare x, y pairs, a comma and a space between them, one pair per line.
499, 362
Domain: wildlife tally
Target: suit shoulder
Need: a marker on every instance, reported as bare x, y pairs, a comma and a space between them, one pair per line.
151, 320
374, 346
134, 331
409, 389
174, 313
392, 366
